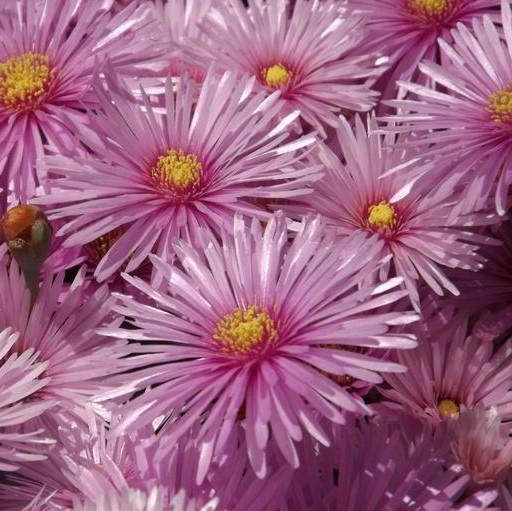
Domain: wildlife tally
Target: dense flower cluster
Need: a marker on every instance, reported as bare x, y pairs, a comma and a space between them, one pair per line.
255, 255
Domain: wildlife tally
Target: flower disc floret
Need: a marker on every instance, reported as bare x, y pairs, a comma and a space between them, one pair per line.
24, 80
177, 171
448, 409
382, 215
276, 75
431, 8
245, 330
500, 105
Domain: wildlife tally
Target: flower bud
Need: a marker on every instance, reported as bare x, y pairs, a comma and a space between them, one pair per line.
28, 234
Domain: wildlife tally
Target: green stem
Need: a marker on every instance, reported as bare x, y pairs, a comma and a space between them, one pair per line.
32, 281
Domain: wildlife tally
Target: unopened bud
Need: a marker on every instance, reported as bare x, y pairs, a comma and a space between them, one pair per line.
28, 234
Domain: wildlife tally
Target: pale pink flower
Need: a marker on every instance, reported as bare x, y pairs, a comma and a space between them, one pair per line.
307, 50
481, 443
467, 123
21, 377
365, 189
257, 326
49, 54
450, 370
159, 178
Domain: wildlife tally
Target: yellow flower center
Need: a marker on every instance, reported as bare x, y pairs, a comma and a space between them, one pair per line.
500, 105
448, 409
178, 171
276, 75
24, 80
382, 215
431, 7
245, 330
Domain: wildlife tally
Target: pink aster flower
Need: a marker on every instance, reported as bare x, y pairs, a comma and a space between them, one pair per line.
90, 467
308, 51
166, 177
480, 442
93, 469
449, 370
381, 466
180, 22
20, 378
366, 192
491, 286
469, 121
60, 328
249, 330
408, 30
49, 53
136, 500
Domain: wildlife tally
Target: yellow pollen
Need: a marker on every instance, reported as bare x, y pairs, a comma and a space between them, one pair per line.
276, 75
244, 330
431, 7
178, 170
448, 409
500, 105
24, 80
382, 215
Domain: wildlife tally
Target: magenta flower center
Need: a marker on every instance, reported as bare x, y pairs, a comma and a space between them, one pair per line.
245, 331
448, 409
178, 172
24, 81
500, 105
276, 75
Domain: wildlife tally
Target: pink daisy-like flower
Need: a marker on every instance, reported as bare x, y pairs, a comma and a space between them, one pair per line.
469, 122
381, 466
95, 469
491, 286
49, 53
308, 51
480, 442
449, 370
407, 30
360, 194
180, 22
20, 378
89, 466
166, 177
60, 328
250, 329
136, 500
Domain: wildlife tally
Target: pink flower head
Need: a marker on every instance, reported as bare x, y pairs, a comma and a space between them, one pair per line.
467, 124
381, 466
49, 53
154, 500
449, 370
252, 330
408, 30
20, 379
90, 466
491, 286
94, 469
180, 21
308, 51
367, 192
60, 328
481, 444
165, 177
133, 500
